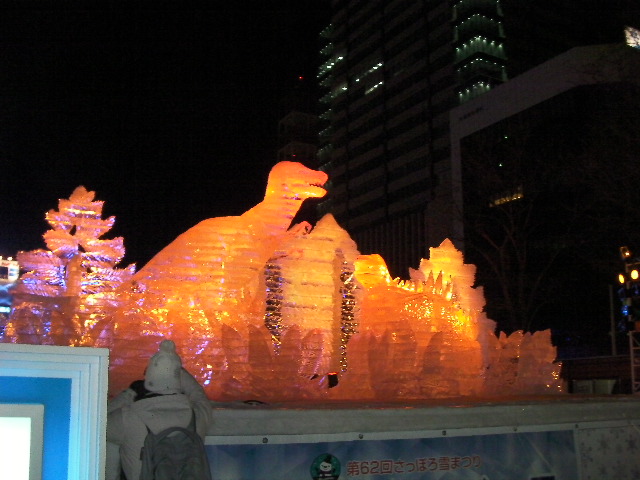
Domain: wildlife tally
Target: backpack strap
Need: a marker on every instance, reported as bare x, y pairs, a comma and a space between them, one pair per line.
192, 423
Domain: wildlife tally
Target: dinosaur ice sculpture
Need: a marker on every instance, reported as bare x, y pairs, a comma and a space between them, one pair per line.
260, 309
218, 263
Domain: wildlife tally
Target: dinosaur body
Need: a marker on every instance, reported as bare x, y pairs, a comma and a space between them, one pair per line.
206, 289
218, 262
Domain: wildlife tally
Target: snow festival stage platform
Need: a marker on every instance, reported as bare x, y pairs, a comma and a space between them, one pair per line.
539, 437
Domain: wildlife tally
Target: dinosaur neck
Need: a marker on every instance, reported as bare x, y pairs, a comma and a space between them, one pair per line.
273, 216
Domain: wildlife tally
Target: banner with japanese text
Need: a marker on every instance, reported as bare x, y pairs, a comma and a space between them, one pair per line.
547, 455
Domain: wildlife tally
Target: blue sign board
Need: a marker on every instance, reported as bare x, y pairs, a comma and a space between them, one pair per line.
546, 455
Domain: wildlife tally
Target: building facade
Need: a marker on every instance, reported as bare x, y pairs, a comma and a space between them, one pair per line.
391, 73
546, 179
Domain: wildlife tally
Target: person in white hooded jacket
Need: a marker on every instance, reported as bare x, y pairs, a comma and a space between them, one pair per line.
168, 397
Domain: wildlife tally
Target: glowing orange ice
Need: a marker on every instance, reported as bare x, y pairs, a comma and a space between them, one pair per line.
259, 309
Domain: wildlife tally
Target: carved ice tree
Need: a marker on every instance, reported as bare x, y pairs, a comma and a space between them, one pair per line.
72, 283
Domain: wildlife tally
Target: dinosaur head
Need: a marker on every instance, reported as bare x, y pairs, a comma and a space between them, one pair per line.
294, 181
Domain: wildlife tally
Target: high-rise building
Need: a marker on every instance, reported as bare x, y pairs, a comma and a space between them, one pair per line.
298, 135
547, 167
392, 72
298, 126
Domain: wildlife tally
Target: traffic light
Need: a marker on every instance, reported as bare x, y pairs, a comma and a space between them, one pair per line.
629, 291
632, 275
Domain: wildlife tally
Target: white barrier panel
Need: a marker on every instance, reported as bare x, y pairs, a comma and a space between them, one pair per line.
71, 383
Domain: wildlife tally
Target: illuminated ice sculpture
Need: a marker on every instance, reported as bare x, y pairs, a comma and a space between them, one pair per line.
262, 310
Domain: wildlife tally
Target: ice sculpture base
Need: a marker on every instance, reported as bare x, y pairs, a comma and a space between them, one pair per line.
568, 437
517, 412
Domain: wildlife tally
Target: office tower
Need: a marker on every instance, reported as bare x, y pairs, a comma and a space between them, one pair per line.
392, 72
547, 165
298, 135
298, 127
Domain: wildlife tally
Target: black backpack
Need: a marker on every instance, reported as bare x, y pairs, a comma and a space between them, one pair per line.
175, 453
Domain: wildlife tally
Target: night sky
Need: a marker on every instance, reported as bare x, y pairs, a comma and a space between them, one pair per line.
167, 110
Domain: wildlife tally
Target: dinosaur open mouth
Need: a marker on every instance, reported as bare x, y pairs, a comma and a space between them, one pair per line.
316, 190
307, 190
315, 187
